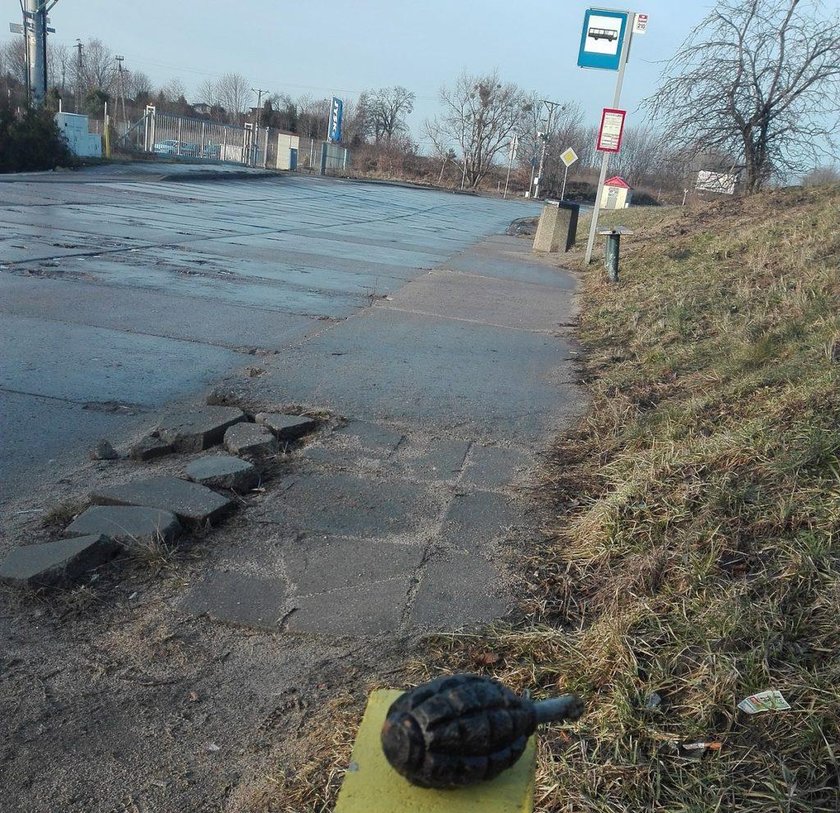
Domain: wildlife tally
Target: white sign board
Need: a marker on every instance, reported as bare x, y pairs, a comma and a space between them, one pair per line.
721, 182
611, 130
603, 34
568, 157
640, 24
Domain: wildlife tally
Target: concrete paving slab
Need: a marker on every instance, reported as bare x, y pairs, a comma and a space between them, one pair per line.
46, 429
436, 459
135, 310
350, 504
55, 563
474, 521
317, 565
150, 448
497, 466
190, 502
458, 589
287, 427
366, 609
85, 364
224, 471
251, 440
407, 368
127, 524
238, 598
374, 438
506, 303
198, 428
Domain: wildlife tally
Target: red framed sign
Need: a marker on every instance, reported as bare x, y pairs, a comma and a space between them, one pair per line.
611, 130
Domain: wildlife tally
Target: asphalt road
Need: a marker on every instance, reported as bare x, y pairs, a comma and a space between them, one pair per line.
121, 291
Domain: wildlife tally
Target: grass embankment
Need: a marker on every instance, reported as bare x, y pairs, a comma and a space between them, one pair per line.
692, 550
691, 553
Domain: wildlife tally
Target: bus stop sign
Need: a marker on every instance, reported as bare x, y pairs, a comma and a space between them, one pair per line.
602, 39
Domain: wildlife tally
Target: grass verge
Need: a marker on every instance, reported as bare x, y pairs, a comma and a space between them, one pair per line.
690, 555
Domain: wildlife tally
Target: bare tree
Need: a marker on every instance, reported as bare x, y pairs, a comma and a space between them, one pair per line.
479, 115
758, 78
822, 176
15, 59
59, 64
137, 85
383, 111
233, 91
99, 68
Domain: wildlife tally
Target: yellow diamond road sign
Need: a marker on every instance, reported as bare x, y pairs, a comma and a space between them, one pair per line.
569, 157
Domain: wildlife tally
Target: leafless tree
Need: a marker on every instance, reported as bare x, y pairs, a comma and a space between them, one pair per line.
14, 53
137, 85
99, 68
383, 111
59, 64
479, 115
233, 91
822, 176
758, 78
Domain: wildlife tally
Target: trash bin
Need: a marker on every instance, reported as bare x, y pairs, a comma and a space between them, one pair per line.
557, 227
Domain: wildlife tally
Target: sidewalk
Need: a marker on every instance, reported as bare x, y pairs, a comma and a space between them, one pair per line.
401, 519
168, 683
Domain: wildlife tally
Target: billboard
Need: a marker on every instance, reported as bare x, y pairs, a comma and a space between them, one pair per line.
336, 116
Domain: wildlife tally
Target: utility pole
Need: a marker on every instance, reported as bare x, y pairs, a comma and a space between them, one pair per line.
514, 144
35, 38
78, 88
258, 117
122, 89
545, 138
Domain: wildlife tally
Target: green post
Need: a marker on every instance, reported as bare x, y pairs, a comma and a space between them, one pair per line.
612, 254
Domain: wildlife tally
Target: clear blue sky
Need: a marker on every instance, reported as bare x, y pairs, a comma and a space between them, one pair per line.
341, 47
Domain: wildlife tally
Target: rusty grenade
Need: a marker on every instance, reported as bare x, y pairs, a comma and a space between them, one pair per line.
464, 729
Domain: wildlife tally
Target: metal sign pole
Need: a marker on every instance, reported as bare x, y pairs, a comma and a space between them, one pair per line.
625, 49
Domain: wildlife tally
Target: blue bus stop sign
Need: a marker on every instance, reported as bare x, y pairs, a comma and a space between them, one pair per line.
602, 39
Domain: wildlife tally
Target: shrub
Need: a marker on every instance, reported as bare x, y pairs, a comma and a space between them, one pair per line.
31, 141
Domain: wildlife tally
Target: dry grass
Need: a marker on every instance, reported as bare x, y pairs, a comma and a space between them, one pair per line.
692, 522
692, 542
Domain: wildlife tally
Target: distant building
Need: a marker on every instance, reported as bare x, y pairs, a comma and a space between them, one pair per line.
202, 108
617, 193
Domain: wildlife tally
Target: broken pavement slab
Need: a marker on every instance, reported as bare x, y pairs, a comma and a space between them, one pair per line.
456, 590
372, 608
476, 520
190, 502
316, 565
54, 563
224, 471
199, 428
496, 466
127, 524
347, 504
150, 448
371, 785
375, 438
238, 598
287, 427
251, 439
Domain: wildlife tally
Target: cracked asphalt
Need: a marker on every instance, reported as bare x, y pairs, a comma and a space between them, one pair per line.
121, 292
436, 346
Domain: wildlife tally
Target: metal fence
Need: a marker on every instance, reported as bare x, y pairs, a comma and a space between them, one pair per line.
172, 136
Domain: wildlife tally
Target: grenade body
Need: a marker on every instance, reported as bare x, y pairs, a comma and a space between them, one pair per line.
458, 731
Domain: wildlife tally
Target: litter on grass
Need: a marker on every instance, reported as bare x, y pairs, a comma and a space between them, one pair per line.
771, 700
